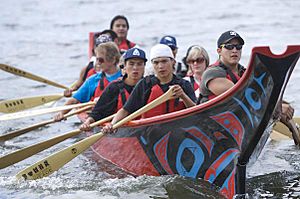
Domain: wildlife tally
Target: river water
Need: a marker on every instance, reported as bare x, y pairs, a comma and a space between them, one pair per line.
50, 38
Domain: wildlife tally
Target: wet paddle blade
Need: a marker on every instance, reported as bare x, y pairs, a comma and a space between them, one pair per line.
22, 73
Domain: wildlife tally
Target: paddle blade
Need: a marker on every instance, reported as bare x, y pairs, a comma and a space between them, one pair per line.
30, 113
54, 162
22, 73
15, 105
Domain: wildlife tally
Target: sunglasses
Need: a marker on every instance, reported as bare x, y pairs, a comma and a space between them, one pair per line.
231, 46
199, 60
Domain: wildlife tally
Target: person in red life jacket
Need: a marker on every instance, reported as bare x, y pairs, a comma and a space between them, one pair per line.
222, 75
119, 24
107, 58
116, 94
197, 60
179, 69
91, 68
151, 87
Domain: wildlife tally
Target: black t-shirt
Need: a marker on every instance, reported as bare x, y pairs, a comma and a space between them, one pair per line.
142, 90
108, 102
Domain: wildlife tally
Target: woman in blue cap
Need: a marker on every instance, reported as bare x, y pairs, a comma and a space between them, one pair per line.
116, 94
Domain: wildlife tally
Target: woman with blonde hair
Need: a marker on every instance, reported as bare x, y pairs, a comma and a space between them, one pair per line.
197, 60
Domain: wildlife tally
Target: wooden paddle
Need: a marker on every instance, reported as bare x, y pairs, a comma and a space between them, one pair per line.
20, 104
22, 131
29, 151
12, 116
291, 129
55, 161
278, 136
28, 75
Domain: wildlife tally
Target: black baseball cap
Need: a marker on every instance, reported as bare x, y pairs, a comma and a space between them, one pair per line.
229, 35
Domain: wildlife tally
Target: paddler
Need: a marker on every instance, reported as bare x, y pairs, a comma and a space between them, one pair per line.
222, 75
91, 68
151, 87
107, 58
116, 94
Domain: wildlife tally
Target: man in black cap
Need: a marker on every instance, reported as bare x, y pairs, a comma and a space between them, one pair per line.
116, 94
222, 75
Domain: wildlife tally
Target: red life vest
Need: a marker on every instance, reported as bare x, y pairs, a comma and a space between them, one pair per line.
91, 72
125, 45
123, 95
103, 83
194, 83
231, 75
166, 107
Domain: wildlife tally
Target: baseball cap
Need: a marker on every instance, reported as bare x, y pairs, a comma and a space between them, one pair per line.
169, 41
161, 50
135, 53
229, 35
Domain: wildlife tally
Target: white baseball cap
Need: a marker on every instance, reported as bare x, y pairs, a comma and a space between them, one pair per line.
161, 50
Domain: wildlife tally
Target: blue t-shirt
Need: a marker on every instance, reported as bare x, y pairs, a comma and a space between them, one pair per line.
87, 90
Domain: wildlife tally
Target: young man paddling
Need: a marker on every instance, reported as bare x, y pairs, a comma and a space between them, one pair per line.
116, 94
222, 75
151, 87
107, 58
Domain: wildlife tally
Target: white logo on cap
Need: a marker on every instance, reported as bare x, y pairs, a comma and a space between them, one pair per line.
169, 39
136, 52
233, 33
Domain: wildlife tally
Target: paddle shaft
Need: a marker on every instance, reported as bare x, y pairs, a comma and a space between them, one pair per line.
22, 73
26, 152
30, 113
22, 131
55, 161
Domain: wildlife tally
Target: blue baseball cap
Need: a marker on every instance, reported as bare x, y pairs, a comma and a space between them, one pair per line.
169, 41
135, 53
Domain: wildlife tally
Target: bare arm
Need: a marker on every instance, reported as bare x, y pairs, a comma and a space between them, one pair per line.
80, 81
219, 85
60, 115
75, 86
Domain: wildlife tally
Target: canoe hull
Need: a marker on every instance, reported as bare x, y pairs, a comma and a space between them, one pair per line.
212, 141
